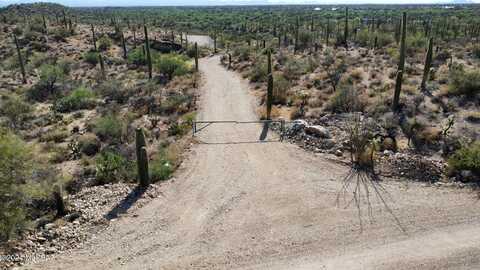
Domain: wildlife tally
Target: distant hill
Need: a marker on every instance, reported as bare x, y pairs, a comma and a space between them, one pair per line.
34, 8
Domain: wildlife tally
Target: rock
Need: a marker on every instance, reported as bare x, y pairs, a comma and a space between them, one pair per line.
338, 153
50, 226
318, 131
299, 124
50, 250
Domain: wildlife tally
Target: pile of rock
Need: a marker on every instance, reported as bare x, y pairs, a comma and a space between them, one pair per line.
90, 210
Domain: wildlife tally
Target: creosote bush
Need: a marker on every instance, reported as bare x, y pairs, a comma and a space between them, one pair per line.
346, 99
110, 128
104, 43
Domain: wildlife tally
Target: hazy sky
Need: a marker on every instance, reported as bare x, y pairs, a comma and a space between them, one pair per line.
223, 2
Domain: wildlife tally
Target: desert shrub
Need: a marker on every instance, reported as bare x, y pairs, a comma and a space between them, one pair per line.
38, 59
109, 128
114, 90
346, 99
16, 110
56, 135
172, 65
174, 103
45, 88
476, 51
280, 88
464, 82
466, 158
161, 167
415, 41
91, 57
113, 167
89, 144
304, 38
60, 34
363, 37
293, 69
80, 99
104, 43
258, 73
384, 39
137, 57
180, 128
241, 52
15, 168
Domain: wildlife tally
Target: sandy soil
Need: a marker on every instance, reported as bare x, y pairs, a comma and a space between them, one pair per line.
243, 204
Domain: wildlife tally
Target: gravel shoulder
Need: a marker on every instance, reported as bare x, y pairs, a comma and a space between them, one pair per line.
238, 203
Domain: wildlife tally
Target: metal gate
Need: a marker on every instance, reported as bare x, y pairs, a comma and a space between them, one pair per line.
281, 121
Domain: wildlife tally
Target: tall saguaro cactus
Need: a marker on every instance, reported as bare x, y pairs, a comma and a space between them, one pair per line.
327, 35
269, 84
345, 32
44, 21
94, 38
142, 158
401, 64
196, 57
102, 65
59, 202
124, 45
295, 48
20, 59
428, 64
147, 49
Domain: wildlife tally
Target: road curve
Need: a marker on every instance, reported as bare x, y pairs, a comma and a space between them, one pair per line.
242, 204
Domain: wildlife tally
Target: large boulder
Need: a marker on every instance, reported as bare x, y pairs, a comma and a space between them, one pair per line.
317, 131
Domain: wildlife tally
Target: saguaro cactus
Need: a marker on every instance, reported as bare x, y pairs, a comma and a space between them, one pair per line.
59, 202
94, 38
428, 64
124, 45
102, 65
45, 29
345, 32
269, 84
196, 57
142, 158
327, 36
401, 64
20, 59
295, 48
147, 49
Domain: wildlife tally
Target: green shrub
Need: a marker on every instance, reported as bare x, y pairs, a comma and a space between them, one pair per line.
241, 52
89, 144
45, 88
109, 128
466, 158
104, 43
172, 65
114, 90
280, 88
137, 57
258, 73
164, 162
464, 82
91, 57
15, 168
345, 99
80, 99
293, 69
113, 167
16, 110
60, 34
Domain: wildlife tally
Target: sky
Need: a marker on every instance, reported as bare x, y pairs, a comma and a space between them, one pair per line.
223, 2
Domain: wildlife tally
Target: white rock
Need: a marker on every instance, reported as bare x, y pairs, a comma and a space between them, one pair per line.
318, 131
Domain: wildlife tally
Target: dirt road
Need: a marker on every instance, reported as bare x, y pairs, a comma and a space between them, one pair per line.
241, 204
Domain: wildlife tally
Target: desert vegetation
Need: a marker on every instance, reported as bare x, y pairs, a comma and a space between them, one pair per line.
91, 97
